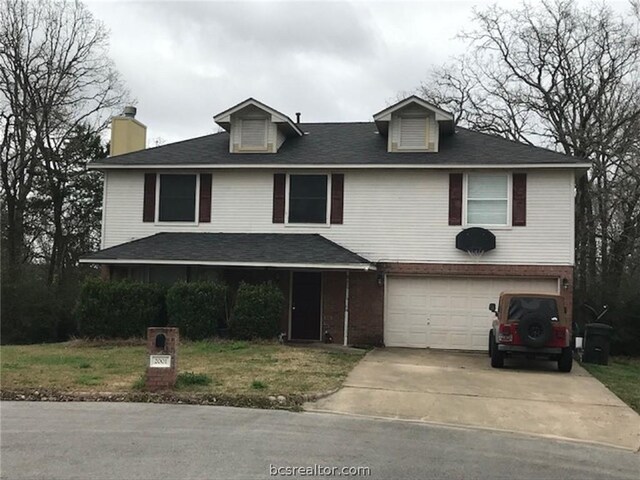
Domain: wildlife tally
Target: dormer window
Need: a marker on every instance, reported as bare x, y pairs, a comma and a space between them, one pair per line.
413, 125
256, 128
253, 133
413, 131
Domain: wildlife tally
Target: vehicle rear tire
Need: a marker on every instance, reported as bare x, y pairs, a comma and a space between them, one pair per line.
491, 340
534, 330
497, 357
565, 362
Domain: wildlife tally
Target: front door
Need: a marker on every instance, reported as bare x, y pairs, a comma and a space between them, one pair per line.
305, 305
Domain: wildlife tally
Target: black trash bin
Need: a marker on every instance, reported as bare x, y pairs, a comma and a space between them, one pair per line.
597, 338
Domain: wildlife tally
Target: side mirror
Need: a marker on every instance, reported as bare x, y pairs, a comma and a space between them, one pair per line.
492, 307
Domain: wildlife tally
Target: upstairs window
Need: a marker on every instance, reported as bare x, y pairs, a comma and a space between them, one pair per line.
253, 133
487, 199
308, 198
413, 132
177, 198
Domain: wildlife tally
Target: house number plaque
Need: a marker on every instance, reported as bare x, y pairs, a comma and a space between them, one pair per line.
160, 361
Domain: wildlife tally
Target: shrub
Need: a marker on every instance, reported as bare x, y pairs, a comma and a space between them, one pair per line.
258, 385
31, 312
119, 309
197, 308
257, 311
626, 328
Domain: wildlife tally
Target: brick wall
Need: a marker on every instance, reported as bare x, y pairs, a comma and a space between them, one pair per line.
366, 309
333, 293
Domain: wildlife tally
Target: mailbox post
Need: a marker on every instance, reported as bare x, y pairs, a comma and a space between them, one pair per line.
162, 369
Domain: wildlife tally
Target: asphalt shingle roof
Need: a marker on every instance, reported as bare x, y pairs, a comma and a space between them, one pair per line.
240, 248
344, 144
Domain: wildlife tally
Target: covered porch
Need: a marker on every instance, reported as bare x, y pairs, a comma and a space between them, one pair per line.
331, 293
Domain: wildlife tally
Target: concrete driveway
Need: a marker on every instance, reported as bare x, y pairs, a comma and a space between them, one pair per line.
462, 389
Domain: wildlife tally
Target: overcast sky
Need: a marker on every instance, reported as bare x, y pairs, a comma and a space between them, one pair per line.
183, 62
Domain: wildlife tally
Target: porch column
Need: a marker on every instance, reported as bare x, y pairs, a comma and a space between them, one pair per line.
346, 311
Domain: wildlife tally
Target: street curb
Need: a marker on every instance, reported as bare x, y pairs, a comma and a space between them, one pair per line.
270, 402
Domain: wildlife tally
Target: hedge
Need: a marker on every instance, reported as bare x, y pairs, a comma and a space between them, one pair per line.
257, 312
30, 312
119, 309
197, 308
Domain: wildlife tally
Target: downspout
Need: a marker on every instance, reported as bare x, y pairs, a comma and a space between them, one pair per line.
346, 312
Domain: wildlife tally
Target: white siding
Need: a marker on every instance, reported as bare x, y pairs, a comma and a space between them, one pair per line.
280, 138
389, 215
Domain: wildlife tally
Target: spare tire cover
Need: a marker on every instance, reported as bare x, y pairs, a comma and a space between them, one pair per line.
535, 330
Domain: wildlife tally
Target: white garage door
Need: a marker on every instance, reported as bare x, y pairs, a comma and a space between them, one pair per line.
448, 312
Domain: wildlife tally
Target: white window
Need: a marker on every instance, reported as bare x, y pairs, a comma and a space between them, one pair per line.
253, 133
487, 199
413, 132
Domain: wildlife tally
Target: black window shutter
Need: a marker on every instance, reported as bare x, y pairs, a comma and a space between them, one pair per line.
149, 205
455, 199
519, 214
278, 197
337, 198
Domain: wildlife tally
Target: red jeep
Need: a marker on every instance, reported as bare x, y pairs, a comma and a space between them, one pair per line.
531, 324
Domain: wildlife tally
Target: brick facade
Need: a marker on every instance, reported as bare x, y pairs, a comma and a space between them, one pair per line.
366, 301
366, 296
366, 309
333, 294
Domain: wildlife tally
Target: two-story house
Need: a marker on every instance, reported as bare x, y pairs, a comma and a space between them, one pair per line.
398, 231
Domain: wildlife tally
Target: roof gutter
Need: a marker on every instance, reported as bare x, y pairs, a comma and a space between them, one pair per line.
316, 266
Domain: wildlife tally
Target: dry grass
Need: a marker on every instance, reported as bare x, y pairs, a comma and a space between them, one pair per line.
263, 368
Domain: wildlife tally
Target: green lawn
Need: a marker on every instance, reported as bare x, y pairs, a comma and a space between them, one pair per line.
622, 377
224, 367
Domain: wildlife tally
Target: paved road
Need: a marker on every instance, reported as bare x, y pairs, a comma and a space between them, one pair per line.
142, 441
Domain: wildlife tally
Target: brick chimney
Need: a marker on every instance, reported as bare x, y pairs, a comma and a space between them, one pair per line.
127, 133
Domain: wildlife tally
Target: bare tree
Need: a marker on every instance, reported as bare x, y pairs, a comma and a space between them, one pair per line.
56, 80
563, 76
